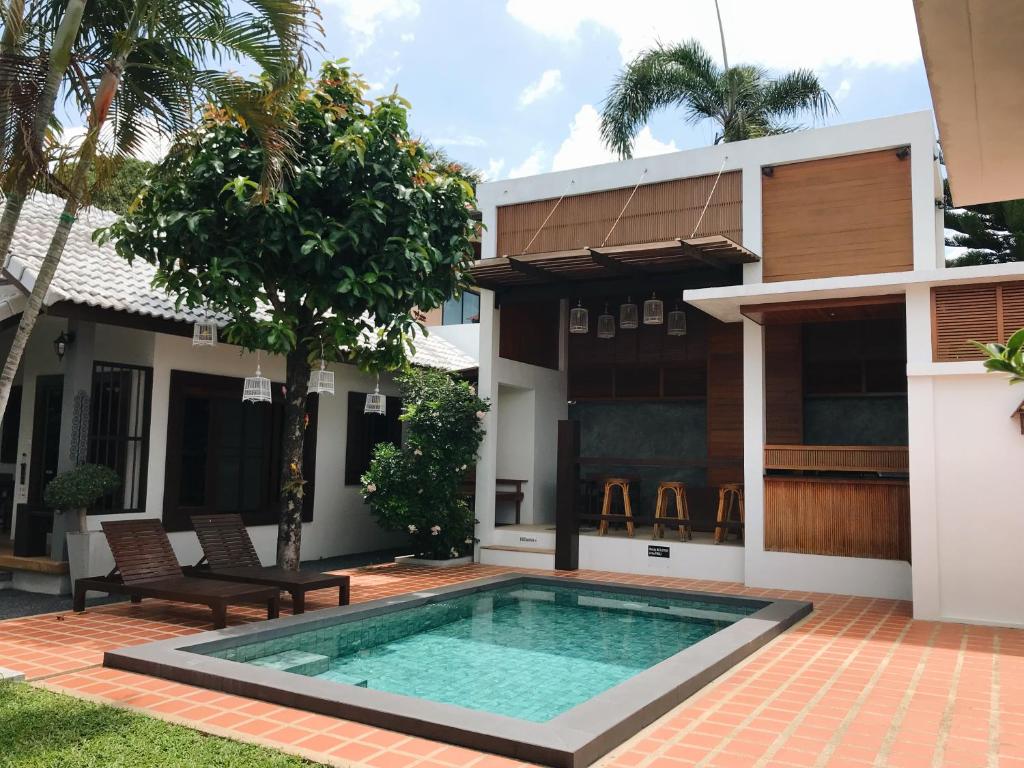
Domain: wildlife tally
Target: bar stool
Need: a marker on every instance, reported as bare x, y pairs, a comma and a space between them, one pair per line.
682, 510
730, 496
610, 484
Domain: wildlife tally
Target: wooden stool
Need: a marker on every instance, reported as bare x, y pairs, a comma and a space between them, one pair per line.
730, 496
661, 515
610, 484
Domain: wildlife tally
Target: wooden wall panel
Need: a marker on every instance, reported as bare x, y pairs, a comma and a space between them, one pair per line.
725, 403
848, 518
783, 384
846, 215
661, 211
984, 312
530, 331
838, 458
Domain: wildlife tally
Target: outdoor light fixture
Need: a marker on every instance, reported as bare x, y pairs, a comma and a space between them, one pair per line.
627, 315
60, 344
204, 334
677, 322
654, 311
256, 388
605, 325
579, 318
321, 380
376, 403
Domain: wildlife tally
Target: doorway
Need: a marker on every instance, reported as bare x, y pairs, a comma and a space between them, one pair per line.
45, 436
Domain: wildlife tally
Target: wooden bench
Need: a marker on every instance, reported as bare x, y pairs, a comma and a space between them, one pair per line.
506, 489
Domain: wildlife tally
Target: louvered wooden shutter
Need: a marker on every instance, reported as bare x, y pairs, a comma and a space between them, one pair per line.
983, 312
1013, 308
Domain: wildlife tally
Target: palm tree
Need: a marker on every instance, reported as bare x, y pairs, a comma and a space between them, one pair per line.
745, 100
141, 64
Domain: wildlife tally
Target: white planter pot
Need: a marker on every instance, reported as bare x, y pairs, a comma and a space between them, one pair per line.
453, 563
88, 555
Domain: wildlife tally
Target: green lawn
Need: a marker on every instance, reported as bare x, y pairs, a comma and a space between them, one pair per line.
40, 729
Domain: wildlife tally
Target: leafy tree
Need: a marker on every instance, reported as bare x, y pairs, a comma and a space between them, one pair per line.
993, 233
415, 488
366, 226
744, 100
112, 184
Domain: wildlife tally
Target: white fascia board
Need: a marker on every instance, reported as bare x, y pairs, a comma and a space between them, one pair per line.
724, 303
24, 275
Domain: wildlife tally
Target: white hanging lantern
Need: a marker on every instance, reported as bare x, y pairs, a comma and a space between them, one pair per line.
654, 311
677, 322
627, 315
605, 325
376, 403
579, 319
256, 389
204, 334
321, 381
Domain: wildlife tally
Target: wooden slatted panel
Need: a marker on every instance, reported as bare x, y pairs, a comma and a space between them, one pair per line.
783, 383
961, 313
661, 211
1013, 308
838, 458
847, 518
846, 215
725, 403
141, 550
225, 541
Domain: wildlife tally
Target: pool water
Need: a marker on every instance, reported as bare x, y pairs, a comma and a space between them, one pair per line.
530, 651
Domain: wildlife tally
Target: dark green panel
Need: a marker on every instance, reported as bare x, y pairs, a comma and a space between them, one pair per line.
855, 420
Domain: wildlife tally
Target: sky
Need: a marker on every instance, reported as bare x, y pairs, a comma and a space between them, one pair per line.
514, 87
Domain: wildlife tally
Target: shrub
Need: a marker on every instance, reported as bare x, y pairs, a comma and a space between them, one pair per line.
81, 487
415, 488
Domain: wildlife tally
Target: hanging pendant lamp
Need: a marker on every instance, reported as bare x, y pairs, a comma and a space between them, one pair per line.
204, 333
654, 310
677, 322
579, 319
256, 388
605, 325
376, 403
627, 315
321, 380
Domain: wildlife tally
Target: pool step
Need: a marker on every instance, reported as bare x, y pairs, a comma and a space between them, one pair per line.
299, 662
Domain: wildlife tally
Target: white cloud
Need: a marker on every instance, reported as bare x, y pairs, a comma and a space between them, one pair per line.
843, 90
385, 84
408, 37
548, 83
364, 17
463, 140
782, 34
495, 166
584, 146
531, 166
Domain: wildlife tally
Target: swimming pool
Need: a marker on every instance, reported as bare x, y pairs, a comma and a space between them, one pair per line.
541, 668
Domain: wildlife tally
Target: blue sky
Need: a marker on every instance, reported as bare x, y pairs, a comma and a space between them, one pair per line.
514, 87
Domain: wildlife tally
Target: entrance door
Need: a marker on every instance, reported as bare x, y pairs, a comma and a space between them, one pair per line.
45, 436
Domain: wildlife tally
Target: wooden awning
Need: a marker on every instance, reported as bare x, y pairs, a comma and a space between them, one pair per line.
826, 310
632, 261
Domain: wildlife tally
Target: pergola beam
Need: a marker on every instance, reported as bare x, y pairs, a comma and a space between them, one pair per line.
532, 270
698, 255
606, 261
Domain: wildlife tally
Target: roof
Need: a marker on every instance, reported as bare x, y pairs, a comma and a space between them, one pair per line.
94, 275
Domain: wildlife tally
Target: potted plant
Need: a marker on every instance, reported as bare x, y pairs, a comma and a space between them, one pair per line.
415, 488
73, 492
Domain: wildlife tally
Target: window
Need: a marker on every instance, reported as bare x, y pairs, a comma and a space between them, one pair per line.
865, 357
119, 410
462, 309
365, 431
9, 428
224, 455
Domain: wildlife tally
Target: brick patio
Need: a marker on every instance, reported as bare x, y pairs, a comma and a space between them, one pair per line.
858, 683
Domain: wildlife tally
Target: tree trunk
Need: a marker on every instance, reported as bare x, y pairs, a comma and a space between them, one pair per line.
97, 117
289, 529
60, 56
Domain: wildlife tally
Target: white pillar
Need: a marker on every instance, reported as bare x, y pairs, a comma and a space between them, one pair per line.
753, 446
77, 365
487, 387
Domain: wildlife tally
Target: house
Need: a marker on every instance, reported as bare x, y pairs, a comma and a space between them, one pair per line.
773, 315
127, 388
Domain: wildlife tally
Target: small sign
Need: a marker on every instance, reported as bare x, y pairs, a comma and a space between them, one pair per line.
655, 550
528, 539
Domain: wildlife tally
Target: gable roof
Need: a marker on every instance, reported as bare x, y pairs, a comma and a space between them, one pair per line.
95, 276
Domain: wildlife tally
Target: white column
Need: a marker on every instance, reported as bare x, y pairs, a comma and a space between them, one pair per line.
924, 190
77, 365
487, 386
753, 445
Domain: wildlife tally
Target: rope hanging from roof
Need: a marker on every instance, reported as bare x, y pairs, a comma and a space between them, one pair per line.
624, 207
548, 217
708, 201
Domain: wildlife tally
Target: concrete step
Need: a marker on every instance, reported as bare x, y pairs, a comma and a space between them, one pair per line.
540, 558
299, 662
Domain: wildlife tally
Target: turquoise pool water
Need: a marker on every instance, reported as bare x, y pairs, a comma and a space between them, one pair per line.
530, 651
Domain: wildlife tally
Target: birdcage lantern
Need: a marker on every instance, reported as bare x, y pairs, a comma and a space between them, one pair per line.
606, 324
376, 403
204, 333
321, 381
677, 322
628, 315
579, 319
256, 388
654, 311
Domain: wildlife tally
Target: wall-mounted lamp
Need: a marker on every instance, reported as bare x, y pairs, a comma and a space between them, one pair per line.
61, 343
768, 171
903, 153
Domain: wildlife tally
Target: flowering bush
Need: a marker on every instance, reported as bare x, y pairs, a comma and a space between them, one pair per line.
415, 488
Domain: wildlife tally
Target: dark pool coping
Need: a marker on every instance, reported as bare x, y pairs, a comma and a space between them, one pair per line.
573, 739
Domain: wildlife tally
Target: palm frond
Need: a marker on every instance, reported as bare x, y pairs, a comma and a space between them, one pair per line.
797, 92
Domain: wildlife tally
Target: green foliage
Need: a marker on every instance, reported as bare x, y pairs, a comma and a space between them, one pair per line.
744, 100
366, 226
41, 729
81, 487
993, 233
415, 488
113, 182
1006, 358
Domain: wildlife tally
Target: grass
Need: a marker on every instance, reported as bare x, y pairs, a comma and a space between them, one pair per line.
40, 729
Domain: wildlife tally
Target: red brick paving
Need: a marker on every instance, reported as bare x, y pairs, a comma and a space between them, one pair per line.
858, 683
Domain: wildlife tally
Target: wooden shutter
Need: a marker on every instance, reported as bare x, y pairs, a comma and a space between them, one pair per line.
984, 312
1013, 308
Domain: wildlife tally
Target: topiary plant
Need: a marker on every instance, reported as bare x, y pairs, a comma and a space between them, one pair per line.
80, 488
415, 488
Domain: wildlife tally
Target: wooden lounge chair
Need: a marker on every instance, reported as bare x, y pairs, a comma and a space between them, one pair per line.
145, 566
228, 555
